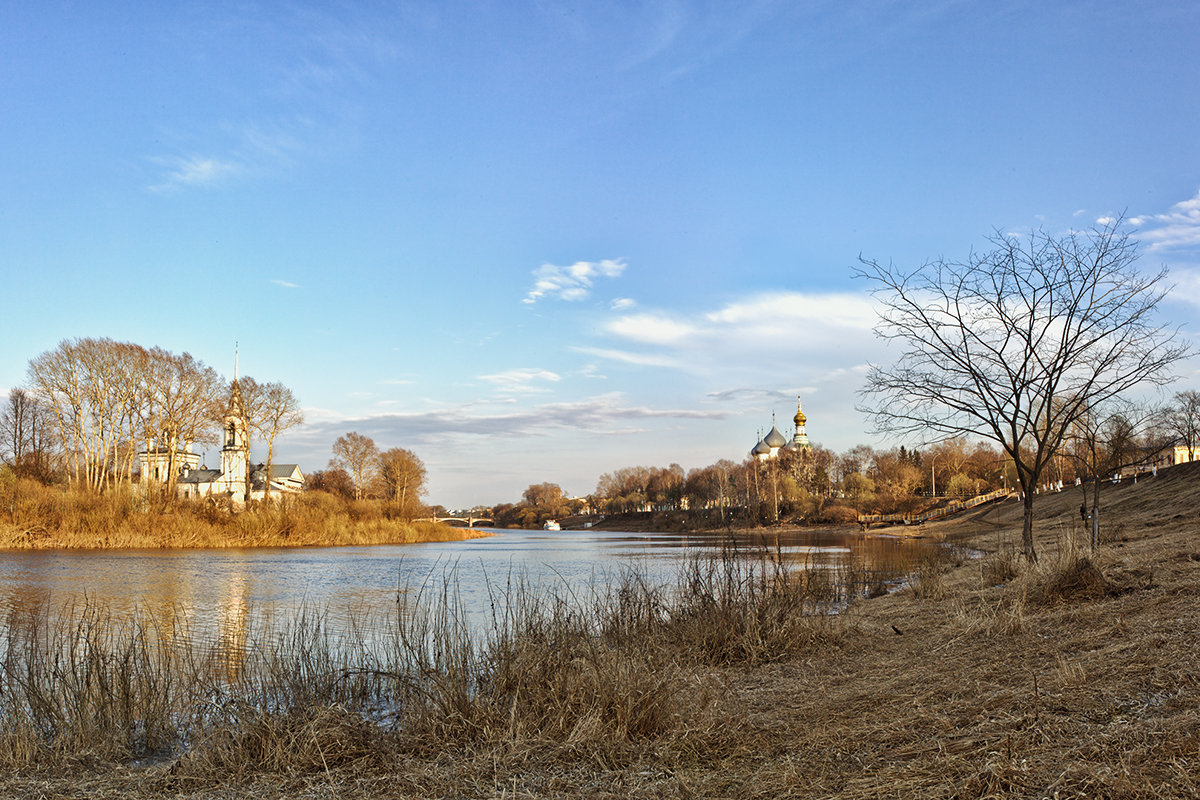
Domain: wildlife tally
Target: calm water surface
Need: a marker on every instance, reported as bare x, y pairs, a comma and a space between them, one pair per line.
220, 592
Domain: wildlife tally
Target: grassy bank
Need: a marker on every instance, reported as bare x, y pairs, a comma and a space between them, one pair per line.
33, 516
986, 677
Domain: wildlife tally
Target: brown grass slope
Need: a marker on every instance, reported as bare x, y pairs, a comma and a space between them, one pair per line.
986, 678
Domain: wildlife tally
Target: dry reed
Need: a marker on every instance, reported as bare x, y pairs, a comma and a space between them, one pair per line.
610, 673
33, 516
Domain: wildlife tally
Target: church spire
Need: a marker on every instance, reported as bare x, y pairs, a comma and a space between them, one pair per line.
800, 439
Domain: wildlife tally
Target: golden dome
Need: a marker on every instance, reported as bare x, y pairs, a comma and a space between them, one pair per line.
799, 419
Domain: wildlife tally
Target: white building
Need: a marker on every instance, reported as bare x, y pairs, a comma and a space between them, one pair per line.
236, 477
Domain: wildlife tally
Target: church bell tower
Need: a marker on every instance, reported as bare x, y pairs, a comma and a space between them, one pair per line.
235, 454
800, 439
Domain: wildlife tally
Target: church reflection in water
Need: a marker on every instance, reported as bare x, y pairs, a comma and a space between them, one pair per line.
233, 623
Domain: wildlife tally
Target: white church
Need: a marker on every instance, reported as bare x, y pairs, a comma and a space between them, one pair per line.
230, 481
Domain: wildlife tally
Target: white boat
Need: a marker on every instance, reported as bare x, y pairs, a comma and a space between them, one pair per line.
552, 525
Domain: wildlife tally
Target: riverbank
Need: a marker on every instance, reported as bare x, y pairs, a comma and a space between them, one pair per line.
986, 677
37, 517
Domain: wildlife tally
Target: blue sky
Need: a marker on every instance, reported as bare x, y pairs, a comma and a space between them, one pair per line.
542, 241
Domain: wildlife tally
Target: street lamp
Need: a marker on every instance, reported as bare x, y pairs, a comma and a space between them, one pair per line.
932, 477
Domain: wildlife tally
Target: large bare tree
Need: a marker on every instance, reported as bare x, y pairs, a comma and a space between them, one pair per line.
104, 396
187, 397
1014, 344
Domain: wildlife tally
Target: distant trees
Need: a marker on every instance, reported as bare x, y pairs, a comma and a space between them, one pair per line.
636, 488
27, 441
403, 477
334, 481
811, 484
1014, 344
183, 402
1182, 421
712, 487
1106, 440
397, 475
359, 457
539, 503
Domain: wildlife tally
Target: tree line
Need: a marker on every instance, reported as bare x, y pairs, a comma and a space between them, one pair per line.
820, 485
92, 404
1024, 361
360, 470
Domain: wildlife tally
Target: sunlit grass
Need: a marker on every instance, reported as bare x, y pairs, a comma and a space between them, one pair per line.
33, 516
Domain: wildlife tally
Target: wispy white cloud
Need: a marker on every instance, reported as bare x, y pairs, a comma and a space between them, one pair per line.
522, 380
652, 329
591, 372
285, 284
606, 413
571, 283
767, 335
1178, 227
842, 310
744, 394
622, 304
628, 357
246, 149
195, 171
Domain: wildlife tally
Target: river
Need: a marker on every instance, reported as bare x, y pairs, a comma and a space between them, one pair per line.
222, 593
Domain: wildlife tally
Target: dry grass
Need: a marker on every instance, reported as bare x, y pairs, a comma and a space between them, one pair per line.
1009, 681
33, 516
612, 678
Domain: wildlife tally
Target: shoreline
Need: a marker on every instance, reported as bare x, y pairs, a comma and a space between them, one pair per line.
474, 533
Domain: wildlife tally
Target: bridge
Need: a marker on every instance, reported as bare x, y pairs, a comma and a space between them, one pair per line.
469, 522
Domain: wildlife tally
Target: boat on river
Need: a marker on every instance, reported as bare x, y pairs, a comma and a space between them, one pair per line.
552, 525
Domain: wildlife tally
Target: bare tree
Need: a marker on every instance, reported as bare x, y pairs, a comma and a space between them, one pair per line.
403, 475
26, 435
1183, 421
1107, 440
358, 455
187, 396
271, 409
105, 395
1016, 343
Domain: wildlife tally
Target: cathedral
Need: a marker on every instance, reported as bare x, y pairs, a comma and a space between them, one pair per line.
769, 446
236, 476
